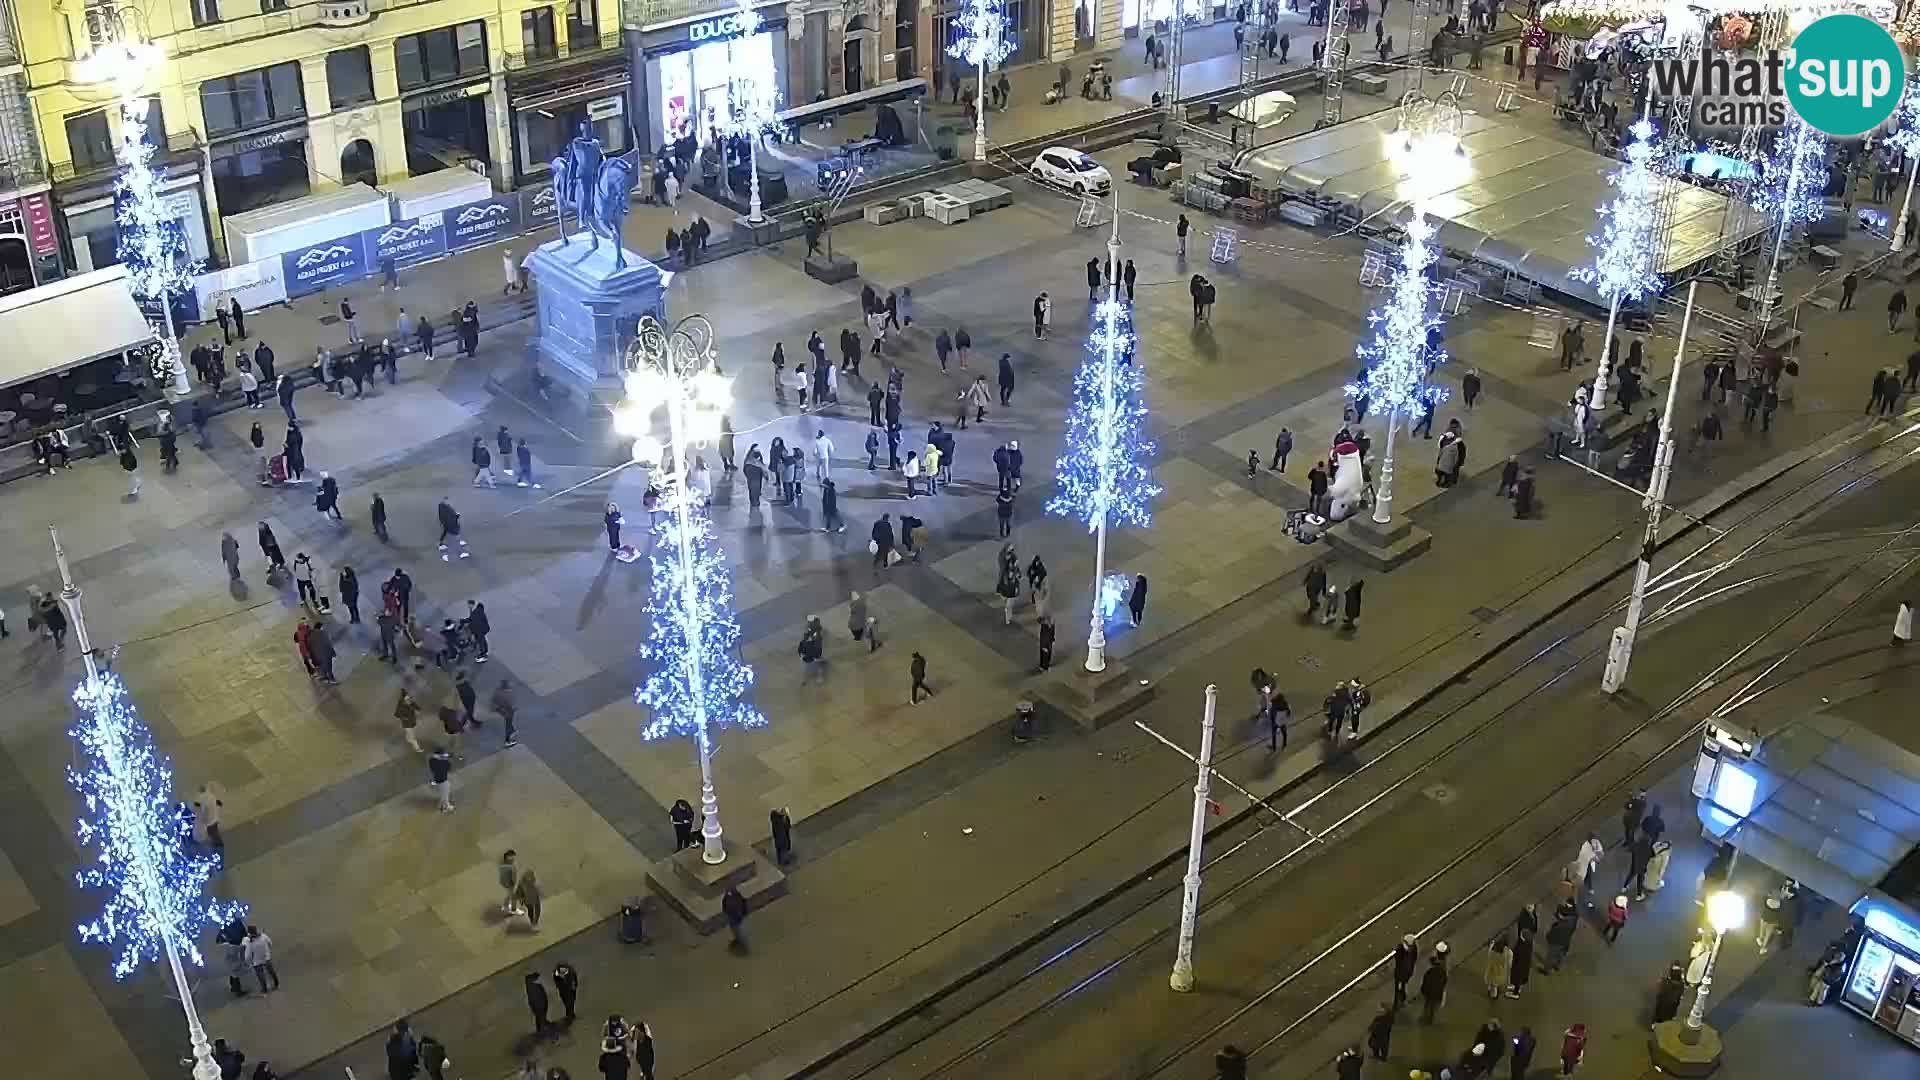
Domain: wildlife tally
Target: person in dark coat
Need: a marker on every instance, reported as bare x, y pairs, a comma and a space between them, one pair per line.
734, 907
480, 626
270, 547
350, 592
1666, 1003
1137, 599
1433, 988
1380, 1033
1353, 603
327, 499
1230, 1063
1006, 379
781, 825
567, 982
1522, 962
682, 817
1405, 956
1523, 494
449, 527
613, 521
403, 1053
537, 1005
882, 539
613, 1059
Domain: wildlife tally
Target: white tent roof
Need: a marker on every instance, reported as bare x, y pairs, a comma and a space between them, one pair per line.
67, 323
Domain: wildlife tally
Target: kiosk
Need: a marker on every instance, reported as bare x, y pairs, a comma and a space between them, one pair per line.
1883, 979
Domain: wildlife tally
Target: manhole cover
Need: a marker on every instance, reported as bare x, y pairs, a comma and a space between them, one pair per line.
1311, 663
329, 320
1439, 793
1484, 614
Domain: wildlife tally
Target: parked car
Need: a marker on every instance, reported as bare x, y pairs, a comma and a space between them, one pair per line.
1068, 168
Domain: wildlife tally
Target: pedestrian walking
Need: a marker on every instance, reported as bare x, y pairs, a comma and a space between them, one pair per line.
303, 581
1616, 919
830, 520
1848, 286
1585, 861
1499, 967
1566, 919
270, 549
482, 463
1406, 956
1573, 1049
1180, 230
403, 1055
963, 341
1433, 985
349, 584
1006, 379
566, 983
734, 907
259, 952
538, 1005
1896, 307
1137, 599
230, 555
1353, 603
1522, 966
1522, 1058
527, 893
449, 529
406, 709
440, 769
917, 667
681, 817
1282, 446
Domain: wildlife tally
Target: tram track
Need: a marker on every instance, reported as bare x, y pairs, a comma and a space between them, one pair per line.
1079, 954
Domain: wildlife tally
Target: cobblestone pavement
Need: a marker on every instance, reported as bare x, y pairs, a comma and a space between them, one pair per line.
381, 907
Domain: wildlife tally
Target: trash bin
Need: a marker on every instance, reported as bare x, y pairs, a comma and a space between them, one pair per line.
632, 922
1657, 865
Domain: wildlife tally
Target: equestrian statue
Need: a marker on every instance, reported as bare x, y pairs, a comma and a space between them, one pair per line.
598, 190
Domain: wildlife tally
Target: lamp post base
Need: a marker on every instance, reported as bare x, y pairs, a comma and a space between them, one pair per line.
1382, 547
693, 887
1682, 1051
1093, 699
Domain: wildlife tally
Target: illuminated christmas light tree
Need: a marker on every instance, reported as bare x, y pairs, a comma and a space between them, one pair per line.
1904, 136
753, 101
980, 38
1625, 268
150, 243
153, 879
1791, 191
1105, 470
697, 680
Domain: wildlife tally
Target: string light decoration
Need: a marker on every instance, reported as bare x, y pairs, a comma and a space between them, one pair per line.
155, 883
1793, 176
1105, 471
980, 38
150, 242
1628, 247
697, 680
1426, 151
753, 102
1903, 135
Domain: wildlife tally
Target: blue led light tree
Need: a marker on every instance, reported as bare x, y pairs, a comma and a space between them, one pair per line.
753, 102
154, 882
1105, 471
1627, 262
1904, 135
1791, 191
1425, 147
980, 38
697, 680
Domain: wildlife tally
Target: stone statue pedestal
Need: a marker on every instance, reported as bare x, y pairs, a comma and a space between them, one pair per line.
588, 310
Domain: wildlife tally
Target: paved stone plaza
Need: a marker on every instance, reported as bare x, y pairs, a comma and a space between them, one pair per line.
380, 907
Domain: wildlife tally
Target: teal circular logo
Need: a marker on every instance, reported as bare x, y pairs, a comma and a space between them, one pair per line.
1846, 76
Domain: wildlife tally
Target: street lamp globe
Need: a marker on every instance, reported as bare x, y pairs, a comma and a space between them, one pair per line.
1726, 911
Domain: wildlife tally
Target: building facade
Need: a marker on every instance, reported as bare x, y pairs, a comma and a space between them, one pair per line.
29, 248
265, 101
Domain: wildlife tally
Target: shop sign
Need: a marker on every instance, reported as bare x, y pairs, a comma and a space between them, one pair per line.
253, 143
482, 222
38, 210
446, 97
723, 26
407, 241
606, 108
539, 207
321, 266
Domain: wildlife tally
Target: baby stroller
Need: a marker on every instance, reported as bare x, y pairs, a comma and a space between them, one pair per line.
276, 471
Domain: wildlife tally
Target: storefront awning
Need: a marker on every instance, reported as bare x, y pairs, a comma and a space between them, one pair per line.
1825, 801
68, 323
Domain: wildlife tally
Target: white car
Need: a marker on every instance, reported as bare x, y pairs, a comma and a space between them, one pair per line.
1068, 168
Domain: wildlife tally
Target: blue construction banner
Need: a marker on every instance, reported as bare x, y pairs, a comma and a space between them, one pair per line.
406, 242
335, 262
538, 208
482, 222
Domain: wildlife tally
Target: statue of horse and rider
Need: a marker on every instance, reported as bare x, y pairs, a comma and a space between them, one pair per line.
598, 190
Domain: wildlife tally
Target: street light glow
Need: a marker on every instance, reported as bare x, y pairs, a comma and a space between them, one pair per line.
1726, 910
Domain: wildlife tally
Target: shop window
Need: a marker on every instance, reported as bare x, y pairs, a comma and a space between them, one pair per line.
536, 34
349, 76
451, 52
583, 24
272, 5
356, 164
253, 98
156, 133
205, 12
87, 138
905, 28
272, 174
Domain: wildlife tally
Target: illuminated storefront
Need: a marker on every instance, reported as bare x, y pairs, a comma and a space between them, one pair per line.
1883, 983
688, 66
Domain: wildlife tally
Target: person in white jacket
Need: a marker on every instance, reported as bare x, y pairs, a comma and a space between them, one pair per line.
822, 454
259, 949
250, 386
1580, 870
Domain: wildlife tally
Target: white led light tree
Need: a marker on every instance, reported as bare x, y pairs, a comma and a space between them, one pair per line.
1904, 135
1426, 149
1105, 474
1625, 268
980, 38
697, 680
1791, 191
753, 102
153, 879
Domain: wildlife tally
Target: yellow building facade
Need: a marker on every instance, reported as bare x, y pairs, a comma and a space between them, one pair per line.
267, 101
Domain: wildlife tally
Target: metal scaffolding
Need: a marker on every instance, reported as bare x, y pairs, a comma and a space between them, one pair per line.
1333, 63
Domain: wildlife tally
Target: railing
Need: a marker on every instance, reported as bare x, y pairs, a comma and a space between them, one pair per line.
178, 143
576, 49
19, 174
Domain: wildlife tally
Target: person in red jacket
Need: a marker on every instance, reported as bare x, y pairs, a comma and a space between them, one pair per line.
1572, 1049
1616, 918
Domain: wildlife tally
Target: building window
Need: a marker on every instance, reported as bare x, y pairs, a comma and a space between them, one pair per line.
272, 5
349, 76
536, 33
205, 12
253, 98
88, 140
452, 52
583, 24
156, 125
